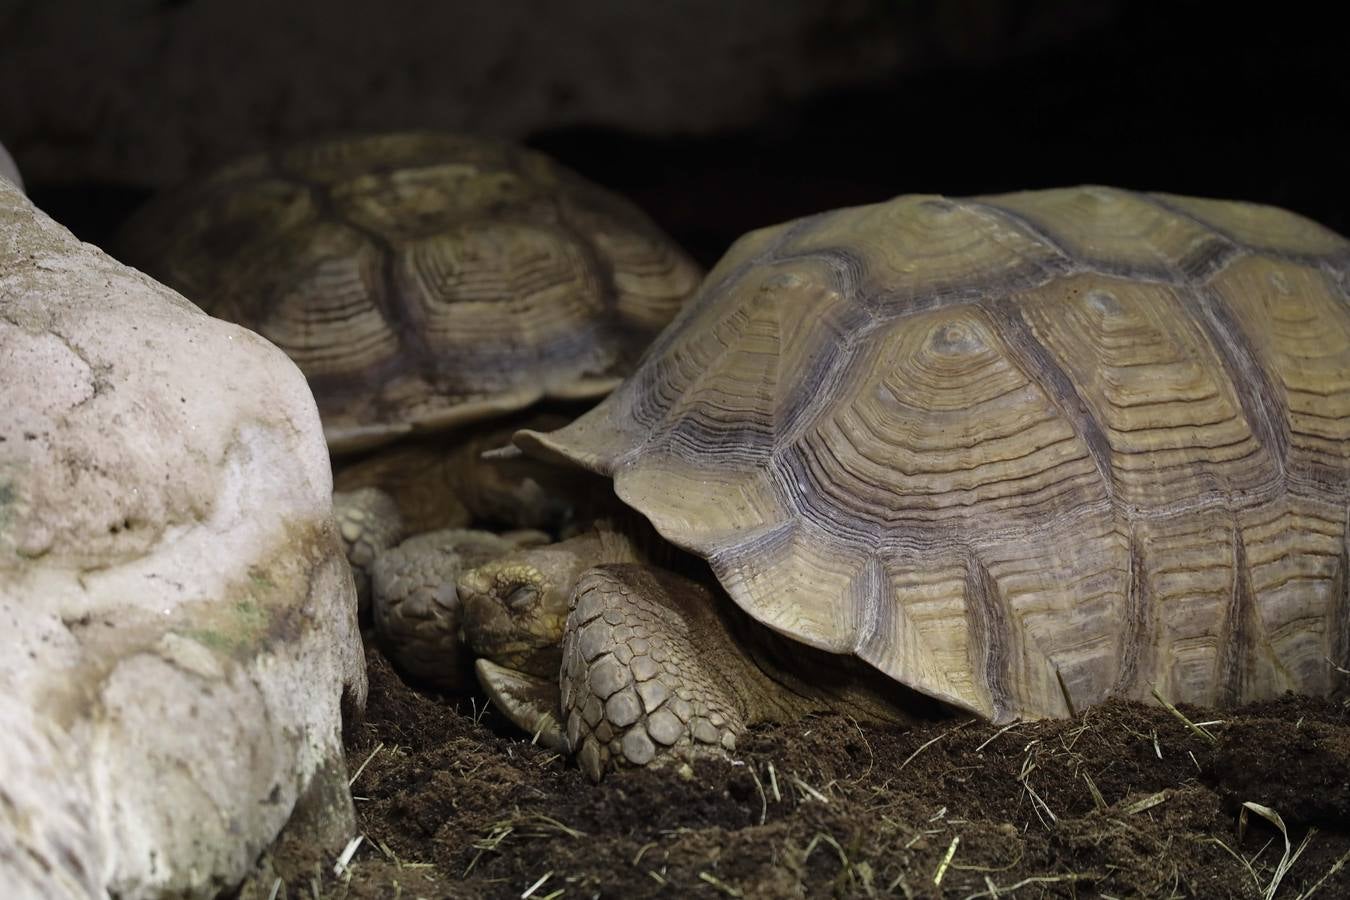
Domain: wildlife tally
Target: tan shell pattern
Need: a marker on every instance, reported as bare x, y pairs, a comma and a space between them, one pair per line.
1018, 452
420, 280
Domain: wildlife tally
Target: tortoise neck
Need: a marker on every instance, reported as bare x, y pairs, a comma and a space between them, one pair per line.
785, 679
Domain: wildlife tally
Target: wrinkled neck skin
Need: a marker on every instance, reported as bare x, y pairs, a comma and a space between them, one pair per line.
781, 679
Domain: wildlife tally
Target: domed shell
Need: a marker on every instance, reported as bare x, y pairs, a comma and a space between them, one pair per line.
1018, 452
420, 280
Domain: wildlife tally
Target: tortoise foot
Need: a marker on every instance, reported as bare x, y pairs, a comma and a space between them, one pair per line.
645, 672
369, 522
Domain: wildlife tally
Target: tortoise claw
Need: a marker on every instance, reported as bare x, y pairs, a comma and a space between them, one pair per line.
530, 702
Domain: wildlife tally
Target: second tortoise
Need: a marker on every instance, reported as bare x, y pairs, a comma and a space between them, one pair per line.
422, 282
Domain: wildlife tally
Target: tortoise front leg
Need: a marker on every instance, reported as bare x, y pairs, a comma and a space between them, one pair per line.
651, 672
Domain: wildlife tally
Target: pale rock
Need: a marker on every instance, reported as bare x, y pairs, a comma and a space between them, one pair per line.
178, 634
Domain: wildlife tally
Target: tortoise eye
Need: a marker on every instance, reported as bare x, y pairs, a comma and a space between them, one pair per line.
521, 596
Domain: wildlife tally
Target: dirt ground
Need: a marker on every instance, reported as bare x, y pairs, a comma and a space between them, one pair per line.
1127, 800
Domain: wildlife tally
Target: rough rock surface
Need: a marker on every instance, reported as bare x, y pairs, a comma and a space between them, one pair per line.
179, 625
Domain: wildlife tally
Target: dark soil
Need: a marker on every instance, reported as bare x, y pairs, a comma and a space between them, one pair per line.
1123, 801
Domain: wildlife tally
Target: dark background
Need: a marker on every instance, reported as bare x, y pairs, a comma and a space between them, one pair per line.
716, 117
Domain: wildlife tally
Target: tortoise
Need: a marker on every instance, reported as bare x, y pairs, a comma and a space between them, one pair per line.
1016, 454
421, 281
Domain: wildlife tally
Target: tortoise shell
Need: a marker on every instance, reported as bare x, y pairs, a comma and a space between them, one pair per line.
1018, 452
420, 280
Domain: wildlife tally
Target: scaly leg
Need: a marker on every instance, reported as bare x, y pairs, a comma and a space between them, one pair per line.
652, 673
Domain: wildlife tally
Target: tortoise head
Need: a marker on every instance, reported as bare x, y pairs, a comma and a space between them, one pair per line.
515, 607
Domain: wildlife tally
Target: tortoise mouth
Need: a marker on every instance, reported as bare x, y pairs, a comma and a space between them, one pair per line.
511, 647
542, 662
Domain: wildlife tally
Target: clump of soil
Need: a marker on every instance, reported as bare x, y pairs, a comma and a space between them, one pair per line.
1126, 800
